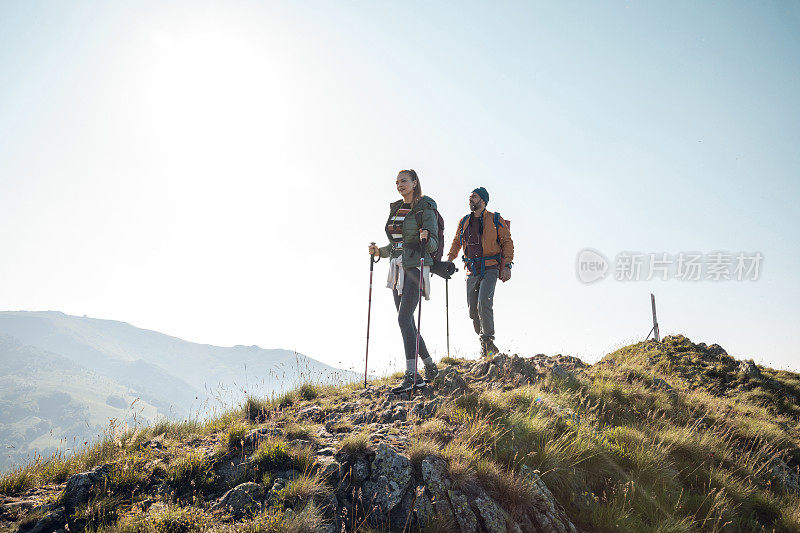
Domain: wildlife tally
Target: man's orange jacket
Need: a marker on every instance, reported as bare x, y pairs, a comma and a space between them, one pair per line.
488, 240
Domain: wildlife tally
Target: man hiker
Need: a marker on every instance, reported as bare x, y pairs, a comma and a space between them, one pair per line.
488, 255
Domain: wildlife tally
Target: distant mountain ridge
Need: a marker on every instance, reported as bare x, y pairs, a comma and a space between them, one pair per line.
165, 376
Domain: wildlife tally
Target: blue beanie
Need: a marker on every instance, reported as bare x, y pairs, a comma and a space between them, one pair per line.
483, 193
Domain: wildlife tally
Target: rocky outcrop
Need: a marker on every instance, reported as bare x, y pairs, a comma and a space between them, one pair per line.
80, 486
391, 477
435, 476
788, 478
450, 382
78, 489
547, 517
515, 370
241, 500
749, 369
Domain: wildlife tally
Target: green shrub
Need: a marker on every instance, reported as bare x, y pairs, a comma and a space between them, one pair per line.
305, 487
308, 520
17, 481
293, 430
190, 471
421, 448
130, 473
256, 409
234, 436
308, 391
170, 520
101, 511
287, 399
354, 445
272, 454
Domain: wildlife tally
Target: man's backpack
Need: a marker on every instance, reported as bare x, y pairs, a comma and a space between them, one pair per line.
501, 260
497, 225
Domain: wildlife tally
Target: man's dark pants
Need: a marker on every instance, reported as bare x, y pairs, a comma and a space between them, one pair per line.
480, 298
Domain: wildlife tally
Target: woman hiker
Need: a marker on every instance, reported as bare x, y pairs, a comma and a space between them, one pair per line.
404, 246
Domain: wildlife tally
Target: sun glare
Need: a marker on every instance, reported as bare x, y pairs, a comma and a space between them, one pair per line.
215, 88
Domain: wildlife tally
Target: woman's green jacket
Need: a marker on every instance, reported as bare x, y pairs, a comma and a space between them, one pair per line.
411, 232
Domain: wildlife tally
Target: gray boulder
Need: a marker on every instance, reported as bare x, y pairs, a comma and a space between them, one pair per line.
391, 477
546, 515
399, 414
787, 477
364, 417
449, 381
256, 436
749, 369
312, 413
53, 521
491, 513
327, 467
463, 512
241, 500
434, 473
560, 372
80, 486
414, 511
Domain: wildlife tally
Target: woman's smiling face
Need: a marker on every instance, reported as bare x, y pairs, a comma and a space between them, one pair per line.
405, 184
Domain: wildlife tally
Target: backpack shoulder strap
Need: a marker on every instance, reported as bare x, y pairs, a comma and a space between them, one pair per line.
497, 222
463, 226
497, 225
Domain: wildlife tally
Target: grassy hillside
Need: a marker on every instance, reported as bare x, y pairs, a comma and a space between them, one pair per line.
49, 402
671, 436
63, 378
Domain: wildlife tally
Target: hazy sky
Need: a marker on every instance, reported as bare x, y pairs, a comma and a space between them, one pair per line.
216, 170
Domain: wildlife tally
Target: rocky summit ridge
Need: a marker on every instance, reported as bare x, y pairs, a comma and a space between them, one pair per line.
671, 436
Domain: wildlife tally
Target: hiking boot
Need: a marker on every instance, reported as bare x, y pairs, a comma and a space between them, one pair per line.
491, 349
408, 383
484, 350
431, 371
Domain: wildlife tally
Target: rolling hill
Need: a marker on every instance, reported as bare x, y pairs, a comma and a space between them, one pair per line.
66, 377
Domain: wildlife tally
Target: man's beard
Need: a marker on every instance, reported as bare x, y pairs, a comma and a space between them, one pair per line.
474, 207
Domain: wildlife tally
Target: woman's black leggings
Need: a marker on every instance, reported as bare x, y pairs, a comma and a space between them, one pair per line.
406, 305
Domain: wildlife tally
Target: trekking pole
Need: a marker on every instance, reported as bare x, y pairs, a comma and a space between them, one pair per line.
422, 243
419, 320
447, 311
372, 262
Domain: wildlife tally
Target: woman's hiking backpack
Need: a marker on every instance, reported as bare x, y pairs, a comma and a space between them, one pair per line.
441, 268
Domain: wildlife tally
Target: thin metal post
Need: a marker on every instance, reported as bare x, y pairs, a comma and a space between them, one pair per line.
655, 320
